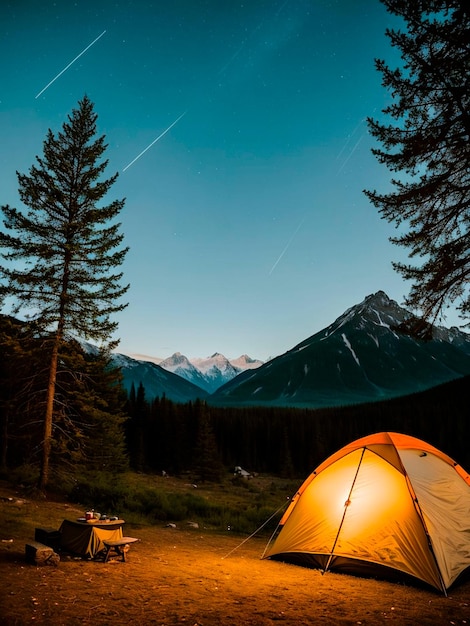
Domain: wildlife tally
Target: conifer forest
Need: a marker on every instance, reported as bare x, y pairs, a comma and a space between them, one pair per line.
98, 426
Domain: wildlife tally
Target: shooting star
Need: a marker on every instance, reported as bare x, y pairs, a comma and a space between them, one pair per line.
287, 247
71, 63
350, 154
154, 141
349, 138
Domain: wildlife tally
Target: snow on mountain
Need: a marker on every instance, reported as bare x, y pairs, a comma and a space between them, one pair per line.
216, 370
181, 366
216, 360
156, 380
207, 373
364, 355
244, 362
87, 347
211, 372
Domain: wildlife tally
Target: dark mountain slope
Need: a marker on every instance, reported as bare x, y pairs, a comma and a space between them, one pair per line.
156, 380
363, 356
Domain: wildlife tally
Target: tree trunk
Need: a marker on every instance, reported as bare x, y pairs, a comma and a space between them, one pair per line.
48, 419
4, 443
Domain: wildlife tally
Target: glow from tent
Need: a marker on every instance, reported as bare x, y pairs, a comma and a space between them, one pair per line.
379, 494
349, 502
373, 504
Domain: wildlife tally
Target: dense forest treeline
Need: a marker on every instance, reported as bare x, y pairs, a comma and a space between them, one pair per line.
98, 427
290, 442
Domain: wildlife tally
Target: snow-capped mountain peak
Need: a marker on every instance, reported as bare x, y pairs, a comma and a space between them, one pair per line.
178, 364
367, 354
217, 361
207, 373
371, 352
175, 361
244, 362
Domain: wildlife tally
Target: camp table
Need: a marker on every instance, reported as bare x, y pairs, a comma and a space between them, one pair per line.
85, 538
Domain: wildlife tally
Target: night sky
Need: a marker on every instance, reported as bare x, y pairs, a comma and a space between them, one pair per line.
247, 225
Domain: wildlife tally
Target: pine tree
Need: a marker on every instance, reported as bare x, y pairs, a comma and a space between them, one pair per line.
62, 252
139, 418
207, 463
428, 142
88, 426
286, 463
91, 430
20, 374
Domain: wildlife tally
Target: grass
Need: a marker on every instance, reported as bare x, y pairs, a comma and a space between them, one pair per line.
241, 504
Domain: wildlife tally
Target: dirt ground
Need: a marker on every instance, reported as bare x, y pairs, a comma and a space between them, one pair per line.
196, 578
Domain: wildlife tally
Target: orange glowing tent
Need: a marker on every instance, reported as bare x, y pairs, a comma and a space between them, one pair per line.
385, 505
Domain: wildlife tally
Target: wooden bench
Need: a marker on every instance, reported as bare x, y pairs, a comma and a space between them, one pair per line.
120, 547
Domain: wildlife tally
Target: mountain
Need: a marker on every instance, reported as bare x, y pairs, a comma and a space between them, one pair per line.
218, 370
364, 356
209, 373
180, 365
156, 380
244, 362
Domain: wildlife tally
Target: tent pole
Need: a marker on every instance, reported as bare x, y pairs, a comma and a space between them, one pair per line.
419, 512
346, 504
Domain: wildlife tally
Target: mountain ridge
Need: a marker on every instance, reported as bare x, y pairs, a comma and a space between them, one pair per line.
363, 356
156, 381
208, 373
367, 354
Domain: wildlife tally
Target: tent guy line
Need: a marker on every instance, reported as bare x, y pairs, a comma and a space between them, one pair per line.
71, 63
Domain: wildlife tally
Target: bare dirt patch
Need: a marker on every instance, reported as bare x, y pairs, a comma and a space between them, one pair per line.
193, 577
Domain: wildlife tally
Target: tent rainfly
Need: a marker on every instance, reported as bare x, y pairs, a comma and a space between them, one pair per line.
385, 505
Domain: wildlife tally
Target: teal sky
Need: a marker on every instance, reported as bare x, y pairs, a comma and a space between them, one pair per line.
247, 225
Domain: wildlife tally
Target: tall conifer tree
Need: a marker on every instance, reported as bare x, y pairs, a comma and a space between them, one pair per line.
207, 462
63, 251
428, 143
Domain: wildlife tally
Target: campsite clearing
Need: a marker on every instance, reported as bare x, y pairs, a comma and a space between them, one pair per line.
184, 576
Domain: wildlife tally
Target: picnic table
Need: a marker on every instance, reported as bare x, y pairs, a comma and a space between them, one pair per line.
86, 538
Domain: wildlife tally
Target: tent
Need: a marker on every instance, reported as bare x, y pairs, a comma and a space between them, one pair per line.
385, 505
